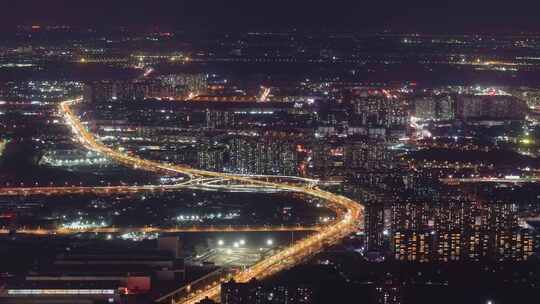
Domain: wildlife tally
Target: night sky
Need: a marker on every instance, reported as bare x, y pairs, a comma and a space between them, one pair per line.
421, 15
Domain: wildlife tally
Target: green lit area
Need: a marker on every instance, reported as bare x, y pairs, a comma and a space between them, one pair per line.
3, 144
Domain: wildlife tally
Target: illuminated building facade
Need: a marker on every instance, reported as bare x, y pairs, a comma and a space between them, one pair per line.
440, 107
216, 119
254, 292
490, 107
380, 111
266, 155
460, 231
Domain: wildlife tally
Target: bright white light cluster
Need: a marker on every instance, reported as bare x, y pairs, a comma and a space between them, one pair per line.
139, 236
211, 216
81, 224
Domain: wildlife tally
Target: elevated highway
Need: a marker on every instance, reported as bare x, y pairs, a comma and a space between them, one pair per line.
349, 213
171, 230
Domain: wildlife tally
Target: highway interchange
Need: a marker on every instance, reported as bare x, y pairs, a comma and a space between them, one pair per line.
349, 214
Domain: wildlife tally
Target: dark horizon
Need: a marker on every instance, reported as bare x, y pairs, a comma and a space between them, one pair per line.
419, 15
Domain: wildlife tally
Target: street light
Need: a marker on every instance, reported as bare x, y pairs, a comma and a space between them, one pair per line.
220, 242
269, 242
242, 242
